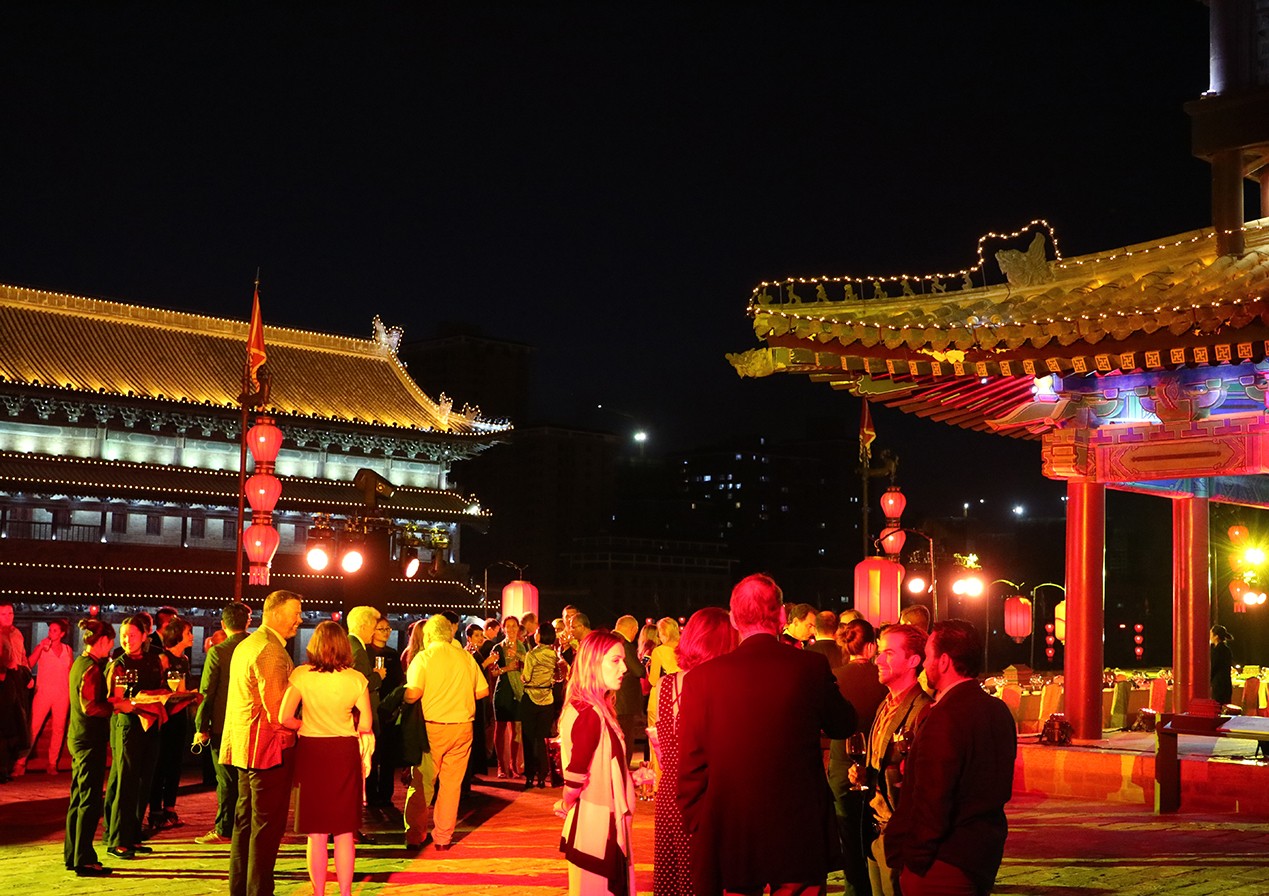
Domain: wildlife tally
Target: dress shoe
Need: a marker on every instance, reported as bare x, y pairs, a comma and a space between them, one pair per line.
121, 852
211, 838
93, 870
142, 850
367, 839
415, 847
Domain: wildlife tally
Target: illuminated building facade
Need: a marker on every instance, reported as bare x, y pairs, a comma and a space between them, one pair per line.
119, 445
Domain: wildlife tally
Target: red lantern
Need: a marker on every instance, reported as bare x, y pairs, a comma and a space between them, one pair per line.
1238, 535
519, 597
1138, 628
892, 503
261, 542
1236, 560
1050, 640
336, 616
263, 490
1139, 651
892, 540
1018, 617
1237, 589
877, 582
1048, 627
1049, 652
1138, 639
264, 441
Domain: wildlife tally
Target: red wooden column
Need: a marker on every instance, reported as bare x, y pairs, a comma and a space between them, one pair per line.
1085, 613
1191, 601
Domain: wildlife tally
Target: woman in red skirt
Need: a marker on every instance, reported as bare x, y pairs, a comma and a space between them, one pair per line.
328, 770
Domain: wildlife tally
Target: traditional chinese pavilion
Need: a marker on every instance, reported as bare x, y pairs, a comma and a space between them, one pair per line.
119, 443
1143, 368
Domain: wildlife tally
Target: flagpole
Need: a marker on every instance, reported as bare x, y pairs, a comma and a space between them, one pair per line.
242, 453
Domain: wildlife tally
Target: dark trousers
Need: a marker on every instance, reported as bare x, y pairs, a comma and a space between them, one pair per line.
83, 812
264, 797
134, 751
851, 809
629, 727
382, 780
226, 790
535, 728
173, 739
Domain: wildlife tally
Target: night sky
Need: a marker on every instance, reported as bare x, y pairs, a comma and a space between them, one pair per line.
605, 182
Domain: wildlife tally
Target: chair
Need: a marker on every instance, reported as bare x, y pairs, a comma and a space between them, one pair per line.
1011, 694
1050, 700
1251, 697
1119, 705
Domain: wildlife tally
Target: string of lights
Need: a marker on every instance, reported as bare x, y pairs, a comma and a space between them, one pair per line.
913, 321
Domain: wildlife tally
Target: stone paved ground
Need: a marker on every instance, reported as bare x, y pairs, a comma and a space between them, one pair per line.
1057, 847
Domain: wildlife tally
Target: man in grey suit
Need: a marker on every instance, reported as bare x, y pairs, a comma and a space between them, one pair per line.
209, 723
257, 744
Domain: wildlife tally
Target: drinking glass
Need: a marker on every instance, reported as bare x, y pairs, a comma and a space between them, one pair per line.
857, 748
175, 680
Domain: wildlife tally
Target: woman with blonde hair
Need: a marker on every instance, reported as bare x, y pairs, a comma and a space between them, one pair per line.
664, 660
328, 766
598, 801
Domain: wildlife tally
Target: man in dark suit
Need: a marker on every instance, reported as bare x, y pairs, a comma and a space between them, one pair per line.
209, 723
631, 704
900, 653
826, 639
751, 778
801, 625
947, 834
361, 629
257, 744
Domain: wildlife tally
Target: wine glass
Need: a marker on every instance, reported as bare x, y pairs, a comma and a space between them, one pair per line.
857, 748
175, 680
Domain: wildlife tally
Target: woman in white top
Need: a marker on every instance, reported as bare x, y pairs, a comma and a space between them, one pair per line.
328, 768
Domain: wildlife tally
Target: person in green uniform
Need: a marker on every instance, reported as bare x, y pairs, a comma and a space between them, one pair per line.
87, 739
135, 750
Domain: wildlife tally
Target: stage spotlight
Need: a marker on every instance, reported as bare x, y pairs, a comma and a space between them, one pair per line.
410, 562
321, 543
352, 559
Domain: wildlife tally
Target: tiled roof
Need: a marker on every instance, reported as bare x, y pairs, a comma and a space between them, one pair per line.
96, 347
1168, 287
120, 480
968, 356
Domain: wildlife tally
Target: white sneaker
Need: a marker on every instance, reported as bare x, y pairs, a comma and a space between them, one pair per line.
211, 838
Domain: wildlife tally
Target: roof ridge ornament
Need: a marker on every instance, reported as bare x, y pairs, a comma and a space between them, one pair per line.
387, 337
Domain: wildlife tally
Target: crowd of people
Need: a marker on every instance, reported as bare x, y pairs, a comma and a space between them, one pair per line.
786, 742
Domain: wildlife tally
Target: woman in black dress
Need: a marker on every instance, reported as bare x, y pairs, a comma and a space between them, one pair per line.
88, 738
177, 636
1222, 665
510, 653
134, 748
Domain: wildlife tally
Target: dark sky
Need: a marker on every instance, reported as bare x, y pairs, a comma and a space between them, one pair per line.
604, 181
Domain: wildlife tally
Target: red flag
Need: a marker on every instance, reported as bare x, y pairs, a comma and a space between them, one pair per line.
867, 435
255, 342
